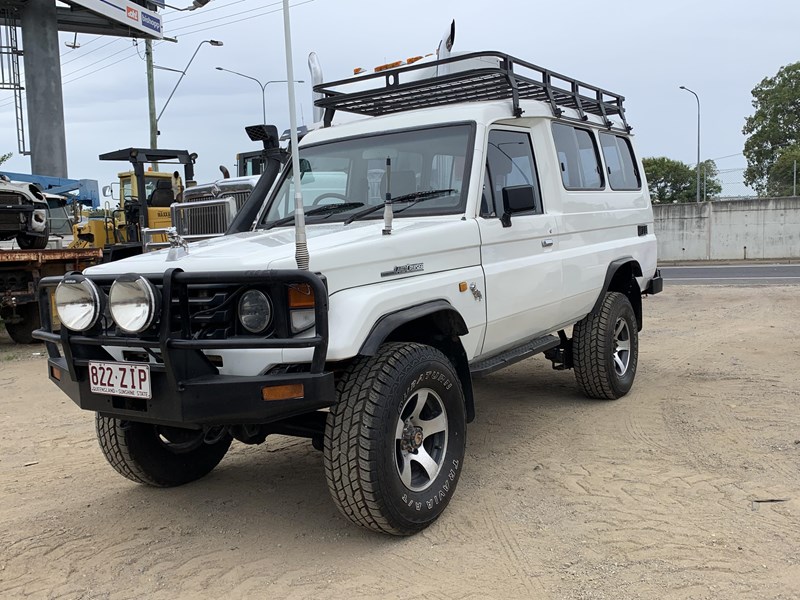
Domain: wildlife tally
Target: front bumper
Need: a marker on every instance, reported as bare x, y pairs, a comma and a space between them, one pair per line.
205, 400
187, 389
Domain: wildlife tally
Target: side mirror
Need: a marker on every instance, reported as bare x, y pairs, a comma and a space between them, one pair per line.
517, 199
106, 190
305, 171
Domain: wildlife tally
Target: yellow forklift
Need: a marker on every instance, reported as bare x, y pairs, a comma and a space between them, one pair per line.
118, 231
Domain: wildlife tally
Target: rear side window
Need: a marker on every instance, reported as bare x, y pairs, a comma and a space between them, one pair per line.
620, 166
578, 158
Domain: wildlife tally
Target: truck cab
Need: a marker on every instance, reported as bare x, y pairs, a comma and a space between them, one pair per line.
23, 214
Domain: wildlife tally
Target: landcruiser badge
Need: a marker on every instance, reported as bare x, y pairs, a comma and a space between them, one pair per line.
404, 270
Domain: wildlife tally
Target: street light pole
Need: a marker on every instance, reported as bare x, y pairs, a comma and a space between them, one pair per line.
263, 87
151, 87
183, 73
696, 97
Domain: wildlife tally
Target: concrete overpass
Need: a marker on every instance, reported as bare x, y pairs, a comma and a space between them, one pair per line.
40, 21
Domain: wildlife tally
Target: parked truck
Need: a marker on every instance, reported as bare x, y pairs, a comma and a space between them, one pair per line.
25, 226
20, 272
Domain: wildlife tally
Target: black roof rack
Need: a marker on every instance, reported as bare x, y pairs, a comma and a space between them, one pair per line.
511, 78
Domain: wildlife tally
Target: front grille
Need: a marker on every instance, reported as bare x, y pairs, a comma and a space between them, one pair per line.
206, 312
11, 199
210, 220
209, 313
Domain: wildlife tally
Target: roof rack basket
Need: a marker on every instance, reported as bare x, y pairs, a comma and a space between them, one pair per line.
500, 79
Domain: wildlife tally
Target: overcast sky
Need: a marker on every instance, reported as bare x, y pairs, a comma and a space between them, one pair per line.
644, 50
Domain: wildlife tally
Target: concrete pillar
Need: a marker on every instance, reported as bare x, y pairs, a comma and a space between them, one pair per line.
48, 142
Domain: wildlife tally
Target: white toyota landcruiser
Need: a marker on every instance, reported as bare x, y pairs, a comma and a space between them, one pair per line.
485, 211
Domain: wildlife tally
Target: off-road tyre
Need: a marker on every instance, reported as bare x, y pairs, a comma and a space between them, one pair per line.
403, 383
596, 342
22, 331
139, 452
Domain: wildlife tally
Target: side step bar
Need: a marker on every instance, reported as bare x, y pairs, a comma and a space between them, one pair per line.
514, 355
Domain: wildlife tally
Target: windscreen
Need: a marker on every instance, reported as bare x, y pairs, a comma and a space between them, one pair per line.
424, 169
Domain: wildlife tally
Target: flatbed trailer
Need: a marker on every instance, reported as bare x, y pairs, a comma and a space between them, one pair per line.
20, 272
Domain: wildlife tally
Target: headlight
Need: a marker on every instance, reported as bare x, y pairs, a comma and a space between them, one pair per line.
134, 303
78, 303
255, 311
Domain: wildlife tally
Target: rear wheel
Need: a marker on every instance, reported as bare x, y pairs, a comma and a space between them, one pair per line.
605, 347
159, 456
394, 441
21, 324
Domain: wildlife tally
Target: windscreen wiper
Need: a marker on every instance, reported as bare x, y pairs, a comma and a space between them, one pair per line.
412, 198
320, 210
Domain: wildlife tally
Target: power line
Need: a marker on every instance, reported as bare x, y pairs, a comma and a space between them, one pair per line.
250, 10
101, 68
246, 18
186, 34
727, 156
95, 62
204, 12
85, 54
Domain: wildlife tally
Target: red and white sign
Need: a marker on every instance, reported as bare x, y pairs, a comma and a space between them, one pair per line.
127, 13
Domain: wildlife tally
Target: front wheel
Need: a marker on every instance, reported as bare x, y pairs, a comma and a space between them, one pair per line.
395, 439
34, 242
605, 349
159, 456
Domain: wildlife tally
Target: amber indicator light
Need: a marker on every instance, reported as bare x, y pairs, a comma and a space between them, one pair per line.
55, 373
301, 296
462, 287
282, 392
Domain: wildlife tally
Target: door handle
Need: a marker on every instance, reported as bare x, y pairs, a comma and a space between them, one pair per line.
547, 243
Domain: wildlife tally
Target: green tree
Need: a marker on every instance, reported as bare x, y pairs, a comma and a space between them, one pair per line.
780, 181
5, 157
710, 185
774, 126
674, 181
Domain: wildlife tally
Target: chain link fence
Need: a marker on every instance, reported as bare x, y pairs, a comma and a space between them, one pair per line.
733, 186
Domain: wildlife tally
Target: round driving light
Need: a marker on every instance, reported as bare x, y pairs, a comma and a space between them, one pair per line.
78, 303
255, 311
134, 303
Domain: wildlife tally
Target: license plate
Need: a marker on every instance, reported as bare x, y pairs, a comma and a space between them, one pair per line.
120, 379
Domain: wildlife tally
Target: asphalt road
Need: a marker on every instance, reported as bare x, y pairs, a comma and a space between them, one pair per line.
732, 275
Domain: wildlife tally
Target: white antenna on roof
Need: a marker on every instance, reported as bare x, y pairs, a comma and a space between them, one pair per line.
301, 248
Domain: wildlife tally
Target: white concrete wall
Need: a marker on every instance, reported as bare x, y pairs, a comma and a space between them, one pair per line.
729, 229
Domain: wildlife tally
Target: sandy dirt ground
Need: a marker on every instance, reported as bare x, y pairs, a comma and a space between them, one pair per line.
689, 487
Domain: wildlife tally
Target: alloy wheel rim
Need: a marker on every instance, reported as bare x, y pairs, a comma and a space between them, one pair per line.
622, 346
421, 439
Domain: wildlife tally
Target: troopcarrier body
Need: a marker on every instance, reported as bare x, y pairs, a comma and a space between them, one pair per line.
483, 211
